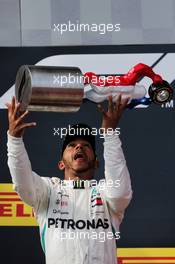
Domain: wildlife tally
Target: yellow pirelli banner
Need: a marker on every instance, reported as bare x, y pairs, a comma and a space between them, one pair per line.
146, 255
13, 212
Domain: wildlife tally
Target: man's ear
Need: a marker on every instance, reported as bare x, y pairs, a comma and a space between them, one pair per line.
61, 165
96, 163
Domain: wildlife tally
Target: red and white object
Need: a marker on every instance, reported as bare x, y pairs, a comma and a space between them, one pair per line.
98, 88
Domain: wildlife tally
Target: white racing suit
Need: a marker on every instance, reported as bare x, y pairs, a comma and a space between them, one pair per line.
77, 226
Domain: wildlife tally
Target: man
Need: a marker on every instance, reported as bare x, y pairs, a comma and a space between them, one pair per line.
72, 215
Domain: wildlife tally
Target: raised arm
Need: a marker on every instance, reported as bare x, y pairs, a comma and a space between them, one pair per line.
118, 191
30, 187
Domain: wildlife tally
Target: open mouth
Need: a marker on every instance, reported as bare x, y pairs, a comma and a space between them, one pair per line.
79, 156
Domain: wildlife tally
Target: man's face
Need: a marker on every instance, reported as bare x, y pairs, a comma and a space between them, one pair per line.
78, 156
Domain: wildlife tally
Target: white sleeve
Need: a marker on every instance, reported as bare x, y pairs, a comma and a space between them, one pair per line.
31, 187
116, 173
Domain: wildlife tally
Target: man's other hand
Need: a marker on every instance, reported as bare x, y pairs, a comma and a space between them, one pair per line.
15, 117
114, 112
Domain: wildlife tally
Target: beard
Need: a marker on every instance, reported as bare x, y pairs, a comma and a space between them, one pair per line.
89, 165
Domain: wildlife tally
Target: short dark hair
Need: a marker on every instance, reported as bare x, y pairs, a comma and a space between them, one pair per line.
77, 133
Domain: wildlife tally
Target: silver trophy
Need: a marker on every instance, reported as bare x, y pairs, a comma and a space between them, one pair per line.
62, 89
51, 89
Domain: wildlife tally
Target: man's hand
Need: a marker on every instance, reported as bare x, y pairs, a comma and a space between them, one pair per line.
16, 124
115, 110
